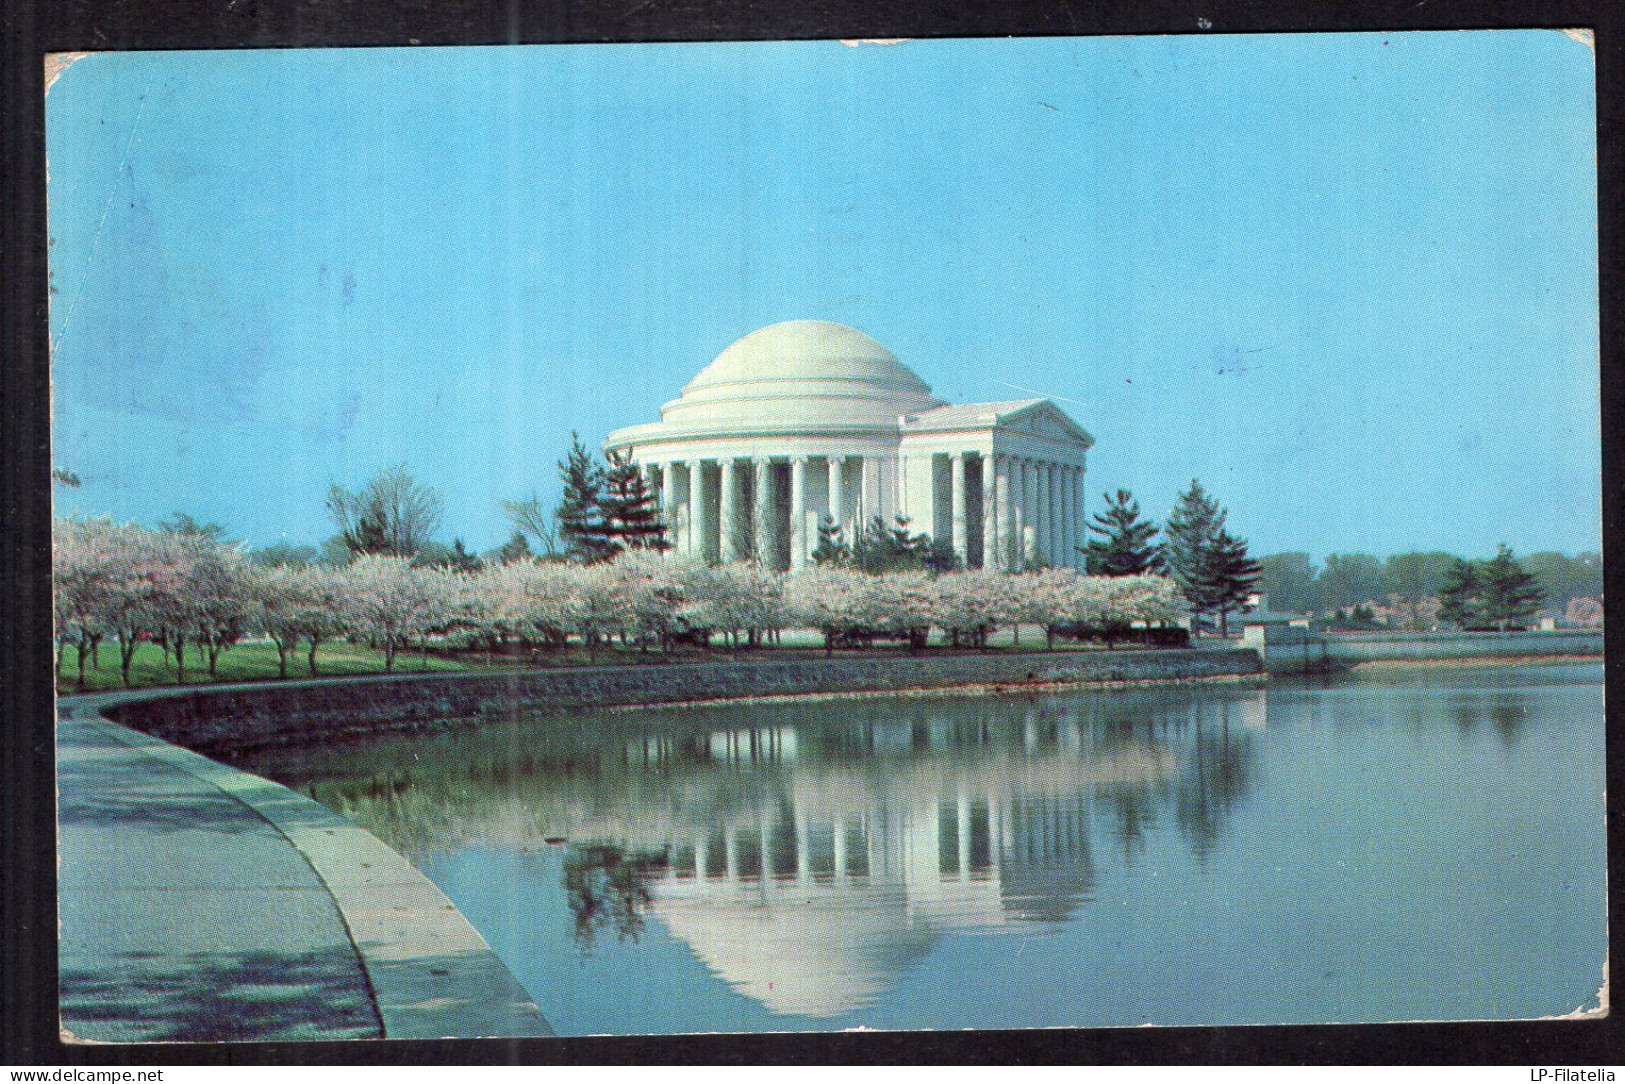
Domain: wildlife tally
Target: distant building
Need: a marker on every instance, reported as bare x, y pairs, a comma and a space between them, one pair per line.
807, 419
1256, 611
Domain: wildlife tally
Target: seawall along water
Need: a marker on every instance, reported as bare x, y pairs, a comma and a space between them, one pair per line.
244, 716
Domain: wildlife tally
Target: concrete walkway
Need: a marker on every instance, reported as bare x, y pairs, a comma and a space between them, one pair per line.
200, 903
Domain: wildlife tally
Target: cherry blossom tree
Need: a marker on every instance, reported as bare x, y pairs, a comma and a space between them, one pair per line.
92, 565
1146, 599
599, 608
537, 601
394, 603
223, 600
655, 593
298, 603
852, 607
153, 564
969, 606
744, 601
323, 611
1040, 597
1584, 612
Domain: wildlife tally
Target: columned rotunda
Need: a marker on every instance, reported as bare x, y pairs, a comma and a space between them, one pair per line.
807, 419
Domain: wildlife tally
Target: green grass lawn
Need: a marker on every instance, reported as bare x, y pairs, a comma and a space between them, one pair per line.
256, 661
245, 662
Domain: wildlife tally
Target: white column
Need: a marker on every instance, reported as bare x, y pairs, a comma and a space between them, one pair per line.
990, 514
1042, 514
1019, 512
762, 528
668, 503
1069, 511
694, 544
1076, 474
868, 491
961, 528
1063, 556
837, 494
798, 513
1041, 546
855, 520
1011, 551
1003, 513
728, 502
1029, 510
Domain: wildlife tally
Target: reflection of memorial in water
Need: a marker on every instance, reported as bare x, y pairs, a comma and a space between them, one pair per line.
809, 854
815, 910
816, 900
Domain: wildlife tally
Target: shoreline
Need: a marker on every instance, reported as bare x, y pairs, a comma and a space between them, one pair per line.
933, 692
228, 719
1475, 660
222, 720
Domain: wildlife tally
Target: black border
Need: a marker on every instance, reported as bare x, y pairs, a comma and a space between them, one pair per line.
32, 28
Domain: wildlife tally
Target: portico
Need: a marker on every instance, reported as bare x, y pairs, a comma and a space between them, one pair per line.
809, 422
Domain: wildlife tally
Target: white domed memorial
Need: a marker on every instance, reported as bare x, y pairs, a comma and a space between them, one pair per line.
808, 419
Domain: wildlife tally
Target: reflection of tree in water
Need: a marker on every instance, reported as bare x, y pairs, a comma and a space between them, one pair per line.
1509, 717
607, 889
1507, 713
1206, 797
1134, 811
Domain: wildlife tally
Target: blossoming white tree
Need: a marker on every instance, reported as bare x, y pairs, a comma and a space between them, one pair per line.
181, 590
293, 604
394, 603
654, 594
93, 569
218, 598
743, 601
967, 607
322, 612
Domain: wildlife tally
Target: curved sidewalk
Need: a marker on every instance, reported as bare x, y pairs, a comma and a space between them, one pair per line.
198, 903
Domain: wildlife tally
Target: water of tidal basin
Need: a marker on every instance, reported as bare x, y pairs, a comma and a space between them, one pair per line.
1396, 845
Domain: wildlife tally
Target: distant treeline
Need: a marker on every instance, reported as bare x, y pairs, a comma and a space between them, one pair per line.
1295, 582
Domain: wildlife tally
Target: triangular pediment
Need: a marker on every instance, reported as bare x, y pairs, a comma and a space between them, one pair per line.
1042, 418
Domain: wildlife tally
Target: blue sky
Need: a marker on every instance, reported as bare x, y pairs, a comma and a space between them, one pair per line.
1348, 281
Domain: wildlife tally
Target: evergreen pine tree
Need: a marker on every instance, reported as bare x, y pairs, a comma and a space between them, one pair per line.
629, 515
517, 548
940, 557
1459, 597
1125, 546
580, 514
832, 548
459, 559
1187, 542
1509, 596
881, 548
1229, 575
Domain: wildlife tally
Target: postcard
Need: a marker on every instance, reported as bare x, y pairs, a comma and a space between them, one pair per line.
743, 537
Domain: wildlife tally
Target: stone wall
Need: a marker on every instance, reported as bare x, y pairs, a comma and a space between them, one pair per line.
1287, 649
248, 715
1349, 648
1291, 649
